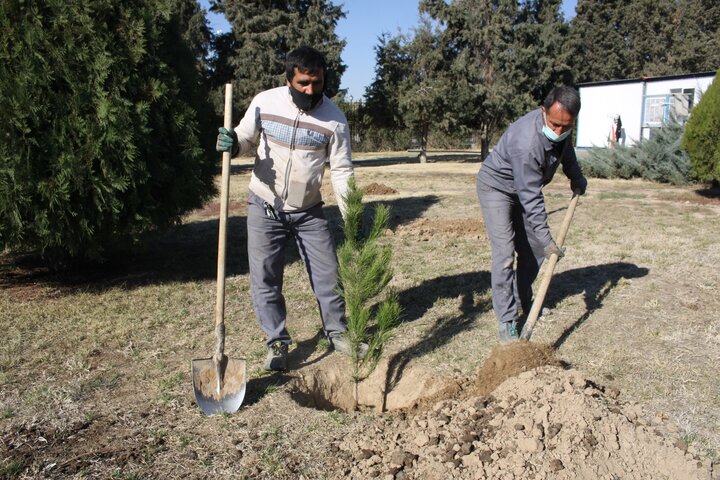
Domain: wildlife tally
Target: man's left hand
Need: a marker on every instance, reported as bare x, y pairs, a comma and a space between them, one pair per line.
227, 141
579, 185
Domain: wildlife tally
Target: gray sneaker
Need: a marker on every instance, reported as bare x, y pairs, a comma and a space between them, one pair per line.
276, 358
341, 344
508, 333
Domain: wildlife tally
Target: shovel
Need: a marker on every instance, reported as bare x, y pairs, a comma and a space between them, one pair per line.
219, 382
549, 270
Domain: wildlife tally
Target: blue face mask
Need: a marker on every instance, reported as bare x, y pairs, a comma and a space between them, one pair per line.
552, 136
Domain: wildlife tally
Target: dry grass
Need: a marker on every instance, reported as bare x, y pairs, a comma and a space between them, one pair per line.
633, 305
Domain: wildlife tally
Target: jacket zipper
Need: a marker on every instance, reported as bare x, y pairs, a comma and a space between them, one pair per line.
290, 158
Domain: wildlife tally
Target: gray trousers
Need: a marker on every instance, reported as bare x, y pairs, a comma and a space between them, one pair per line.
268, 234
509, 234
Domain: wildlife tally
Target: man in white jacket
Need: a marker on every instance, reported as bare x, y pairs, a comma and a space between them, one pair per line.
297, 130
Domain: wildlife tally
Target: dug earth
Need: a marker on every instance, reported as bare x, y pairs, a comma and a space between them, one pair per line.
546, 423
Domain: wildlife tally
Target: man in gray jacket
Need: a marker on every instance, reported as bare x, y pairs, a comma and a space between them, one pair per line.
297, 130
509, 187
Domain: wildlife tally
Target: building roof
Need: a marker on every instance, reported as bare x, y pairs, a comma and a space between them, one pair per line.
648, 79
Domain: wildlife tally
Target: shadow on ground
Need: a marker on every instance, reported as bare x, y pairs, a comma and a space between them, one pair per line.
594, 282
298, 358
184, 253
418, 300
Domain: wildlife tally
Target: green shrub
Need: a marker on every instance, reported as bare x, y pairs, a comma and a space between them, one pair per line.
660, 159
702, 135
100, 131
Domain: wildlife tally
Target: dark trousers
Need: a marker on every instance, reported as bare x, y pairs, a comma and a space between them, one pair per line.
268, 234
511, 277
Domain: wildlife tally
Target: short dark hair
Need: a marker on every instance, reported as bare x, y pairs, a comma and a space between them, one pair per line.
566, 96
306, 60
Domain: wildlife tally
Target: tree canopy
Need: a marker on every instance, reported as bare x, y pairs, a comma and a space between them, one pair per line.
616, 39
252, 56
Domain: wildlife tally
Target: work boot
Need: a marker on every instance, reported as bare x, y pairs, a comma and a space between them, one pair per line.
276, 358
341, 344
508, 333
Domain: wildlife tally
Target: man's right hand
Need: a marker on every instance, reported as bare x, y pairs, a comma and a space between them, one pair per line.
579, 186
227, 140
551, 248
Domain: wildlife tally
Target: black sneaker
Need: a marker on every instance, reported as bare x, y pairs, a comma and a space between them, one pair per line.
276, 358
341, 344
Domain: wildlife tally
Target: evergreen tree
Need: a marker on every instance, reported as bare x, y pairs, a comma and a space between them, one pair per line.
542, 59
392, 66
100, 124
505, 56
696, 36
647, 28
702, 135
616, 39
598, 42
424, 92
264, 32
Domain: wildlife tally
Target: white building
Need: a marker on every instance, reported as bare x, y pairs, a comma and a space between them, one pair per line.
642, 104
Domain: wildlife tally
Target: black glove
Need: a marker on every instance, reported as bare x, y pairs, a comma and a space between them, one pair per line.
227, 141
579, 185
551, 248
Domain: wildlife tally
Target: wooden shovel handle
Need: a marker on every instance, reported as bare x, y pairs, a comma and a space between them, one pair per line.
222, 236
549, 270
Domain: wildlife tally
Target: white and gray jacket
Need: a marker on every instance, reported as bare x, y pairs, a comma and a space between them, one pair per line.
292, 149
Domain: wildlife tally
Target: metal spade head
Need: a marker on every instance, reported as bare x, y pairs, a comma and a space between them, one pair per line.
219, 386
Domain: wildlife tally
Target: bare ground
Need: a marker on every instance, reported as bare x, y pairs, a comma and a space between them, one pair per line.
621, 379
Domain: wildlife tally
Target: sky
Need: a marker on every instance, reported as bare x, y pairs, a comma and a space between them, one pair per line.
364, 22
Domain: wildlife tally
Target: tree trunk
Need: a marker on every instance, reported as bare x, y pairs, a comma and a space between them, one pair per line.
484, 142
484, 148
423, 144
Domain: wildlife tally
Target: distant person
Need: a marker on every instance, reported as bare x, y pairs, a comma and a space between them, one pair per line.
297, 130
509, 187
615, 135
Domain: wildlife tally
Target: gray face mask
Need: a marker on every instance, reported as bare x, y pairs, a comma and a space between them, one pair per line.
304, 101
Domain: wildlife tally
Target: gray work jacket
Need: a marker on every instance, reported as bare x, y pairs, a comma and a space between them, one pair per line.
524, 161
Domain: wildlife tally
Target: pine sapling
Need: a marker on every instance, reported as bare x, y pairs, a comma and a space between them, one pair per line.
365, 271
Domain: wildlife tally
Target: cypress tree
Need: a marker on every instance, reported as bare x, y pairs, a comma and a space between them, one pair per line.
100, 127
702, 135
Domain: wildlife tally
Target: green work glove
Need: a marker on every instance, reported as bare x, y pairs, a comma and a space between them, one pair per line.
551, 248
227, 141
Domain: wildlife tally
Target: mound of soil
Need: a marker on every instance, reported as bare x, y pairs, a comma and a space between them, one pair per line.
427, 227
327, 385
378, 189
544, 423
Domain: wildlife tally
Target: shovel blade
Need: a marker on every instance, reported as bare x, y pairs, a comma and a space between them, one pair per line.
219, 388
